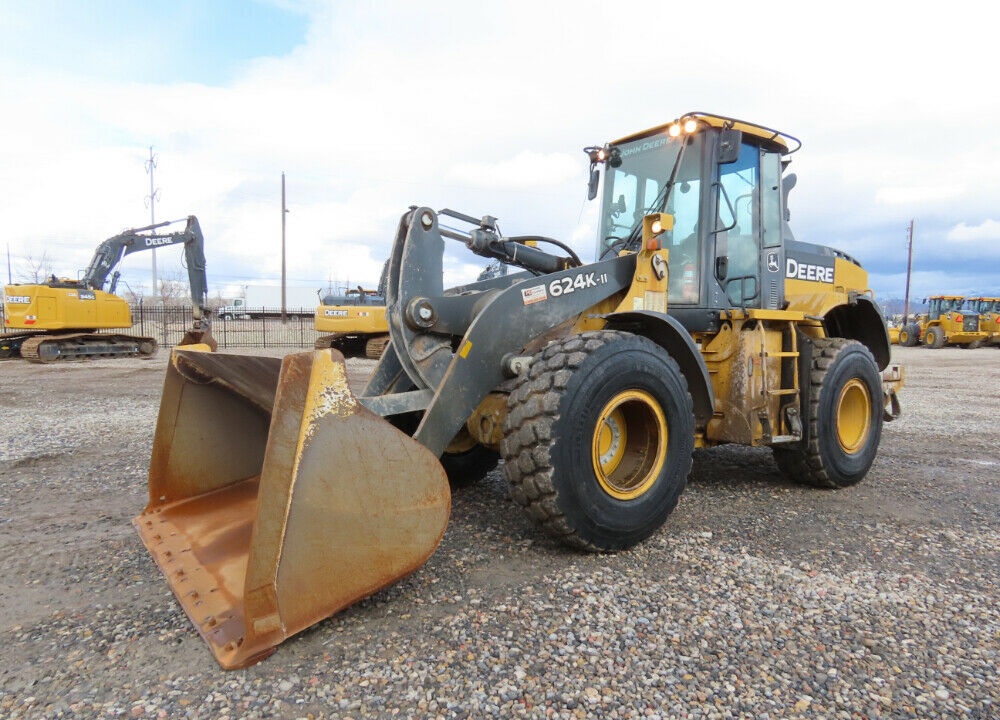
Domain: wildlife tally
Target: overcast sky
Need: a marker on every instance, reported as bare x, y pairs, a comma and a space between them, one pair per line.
369, 107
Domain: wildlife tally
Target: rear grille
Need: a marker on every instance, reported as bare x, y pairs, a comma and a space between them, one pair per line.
970, 323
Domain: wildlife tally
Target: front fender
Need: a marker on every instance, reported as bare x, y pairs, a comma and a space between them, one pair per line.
669, 334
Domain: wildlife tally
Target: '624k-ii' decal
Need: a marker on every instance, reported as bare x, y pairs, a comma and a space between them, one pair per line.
562, 286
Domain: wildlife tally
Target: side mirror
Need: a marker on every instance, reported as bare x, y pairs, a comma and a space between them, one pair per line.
729, 145
595, 177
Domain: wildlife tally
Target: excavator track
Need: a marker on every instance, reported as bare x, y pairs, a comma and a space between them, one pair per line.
10, 344
82, 346
354, 345
376, 346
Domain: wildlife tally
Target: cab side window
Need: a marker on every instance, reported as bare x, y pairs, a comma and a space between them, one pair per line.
739, 202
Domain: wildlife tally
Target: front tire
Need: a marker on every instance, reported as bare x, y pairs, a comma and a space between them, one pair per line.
598, 439
845, 418
909, 335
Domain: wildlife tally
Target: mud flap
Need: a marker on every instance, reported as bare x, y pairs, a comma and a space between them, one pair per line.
277, 499
892, 381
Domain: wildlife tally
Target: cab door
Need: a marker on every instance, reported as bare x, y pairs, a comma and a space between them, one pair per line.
749, 247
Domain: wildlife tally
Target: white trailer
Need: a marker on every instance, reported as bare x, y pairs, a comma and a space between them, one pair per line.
265, 301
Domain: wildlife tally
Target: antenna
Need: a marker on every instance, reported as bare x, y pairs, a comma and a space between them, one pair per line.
154, 195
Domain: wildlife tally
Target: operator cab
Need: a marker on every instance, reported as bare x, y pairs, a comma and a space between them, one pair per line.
720, 178
942, 305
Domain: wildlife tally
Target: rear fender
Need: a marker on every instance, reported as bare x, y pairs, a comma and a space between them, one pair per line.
861, 320
669, 334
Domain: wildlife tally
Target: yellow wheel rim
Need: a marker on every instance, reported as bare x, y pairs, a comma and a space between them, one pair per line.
630, 444
854, 413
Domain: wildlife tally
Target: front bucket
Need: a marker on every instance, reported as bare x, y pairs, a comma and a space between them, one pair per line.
277, 499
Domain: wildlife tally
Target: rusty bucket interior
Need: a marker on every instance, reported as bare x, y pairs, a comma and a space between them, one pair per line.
277, 499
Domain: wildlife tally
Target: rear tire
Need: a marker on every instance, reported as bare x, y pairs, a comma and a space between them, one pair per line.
934, 338
470, 466
598, 439
845, 418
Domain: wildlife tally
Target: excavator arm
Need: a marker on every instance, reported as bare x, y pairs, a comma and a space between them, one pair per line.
111, 252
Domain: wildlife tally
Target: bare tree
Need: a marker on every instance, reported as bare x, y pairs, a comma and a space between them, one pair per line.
173, 290
134, 295
37, 270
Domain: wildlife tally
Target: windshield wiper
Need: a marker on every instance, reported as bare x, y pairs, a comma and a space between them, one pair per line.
659, 202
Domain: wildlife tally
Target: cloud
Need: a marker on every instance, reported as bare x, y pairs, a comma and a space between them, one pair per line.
917, 195
986, 231
527, 169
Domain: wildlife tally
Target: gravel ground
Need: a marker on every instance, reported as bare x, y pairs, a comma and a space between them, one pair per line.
758, 598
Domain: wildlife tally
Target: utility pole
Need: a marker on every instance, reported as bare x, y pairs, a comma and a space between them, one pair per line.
9, 280
151, 199
284, 211
909, 266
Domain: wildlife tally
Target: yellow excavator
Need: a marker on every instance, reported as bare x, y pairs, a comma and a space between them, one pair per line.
355, 322
59, 319
702, 322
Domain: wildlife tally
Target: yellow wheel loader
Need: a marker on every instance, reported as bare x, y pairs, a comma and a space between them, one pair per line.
702, 322
944, 323
59, 319
988, 309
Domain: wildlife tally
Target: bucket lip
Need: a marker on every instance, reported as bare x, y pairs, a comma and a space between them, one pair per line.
217, 610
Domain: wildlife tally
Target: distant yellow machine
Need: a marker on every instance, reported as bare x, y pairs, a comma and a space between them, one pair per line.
988, 309
944, 323
356, 323
59, 319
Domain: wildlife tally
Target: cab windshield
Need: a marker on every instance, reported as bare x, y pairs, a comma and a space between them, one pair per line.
640, 186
